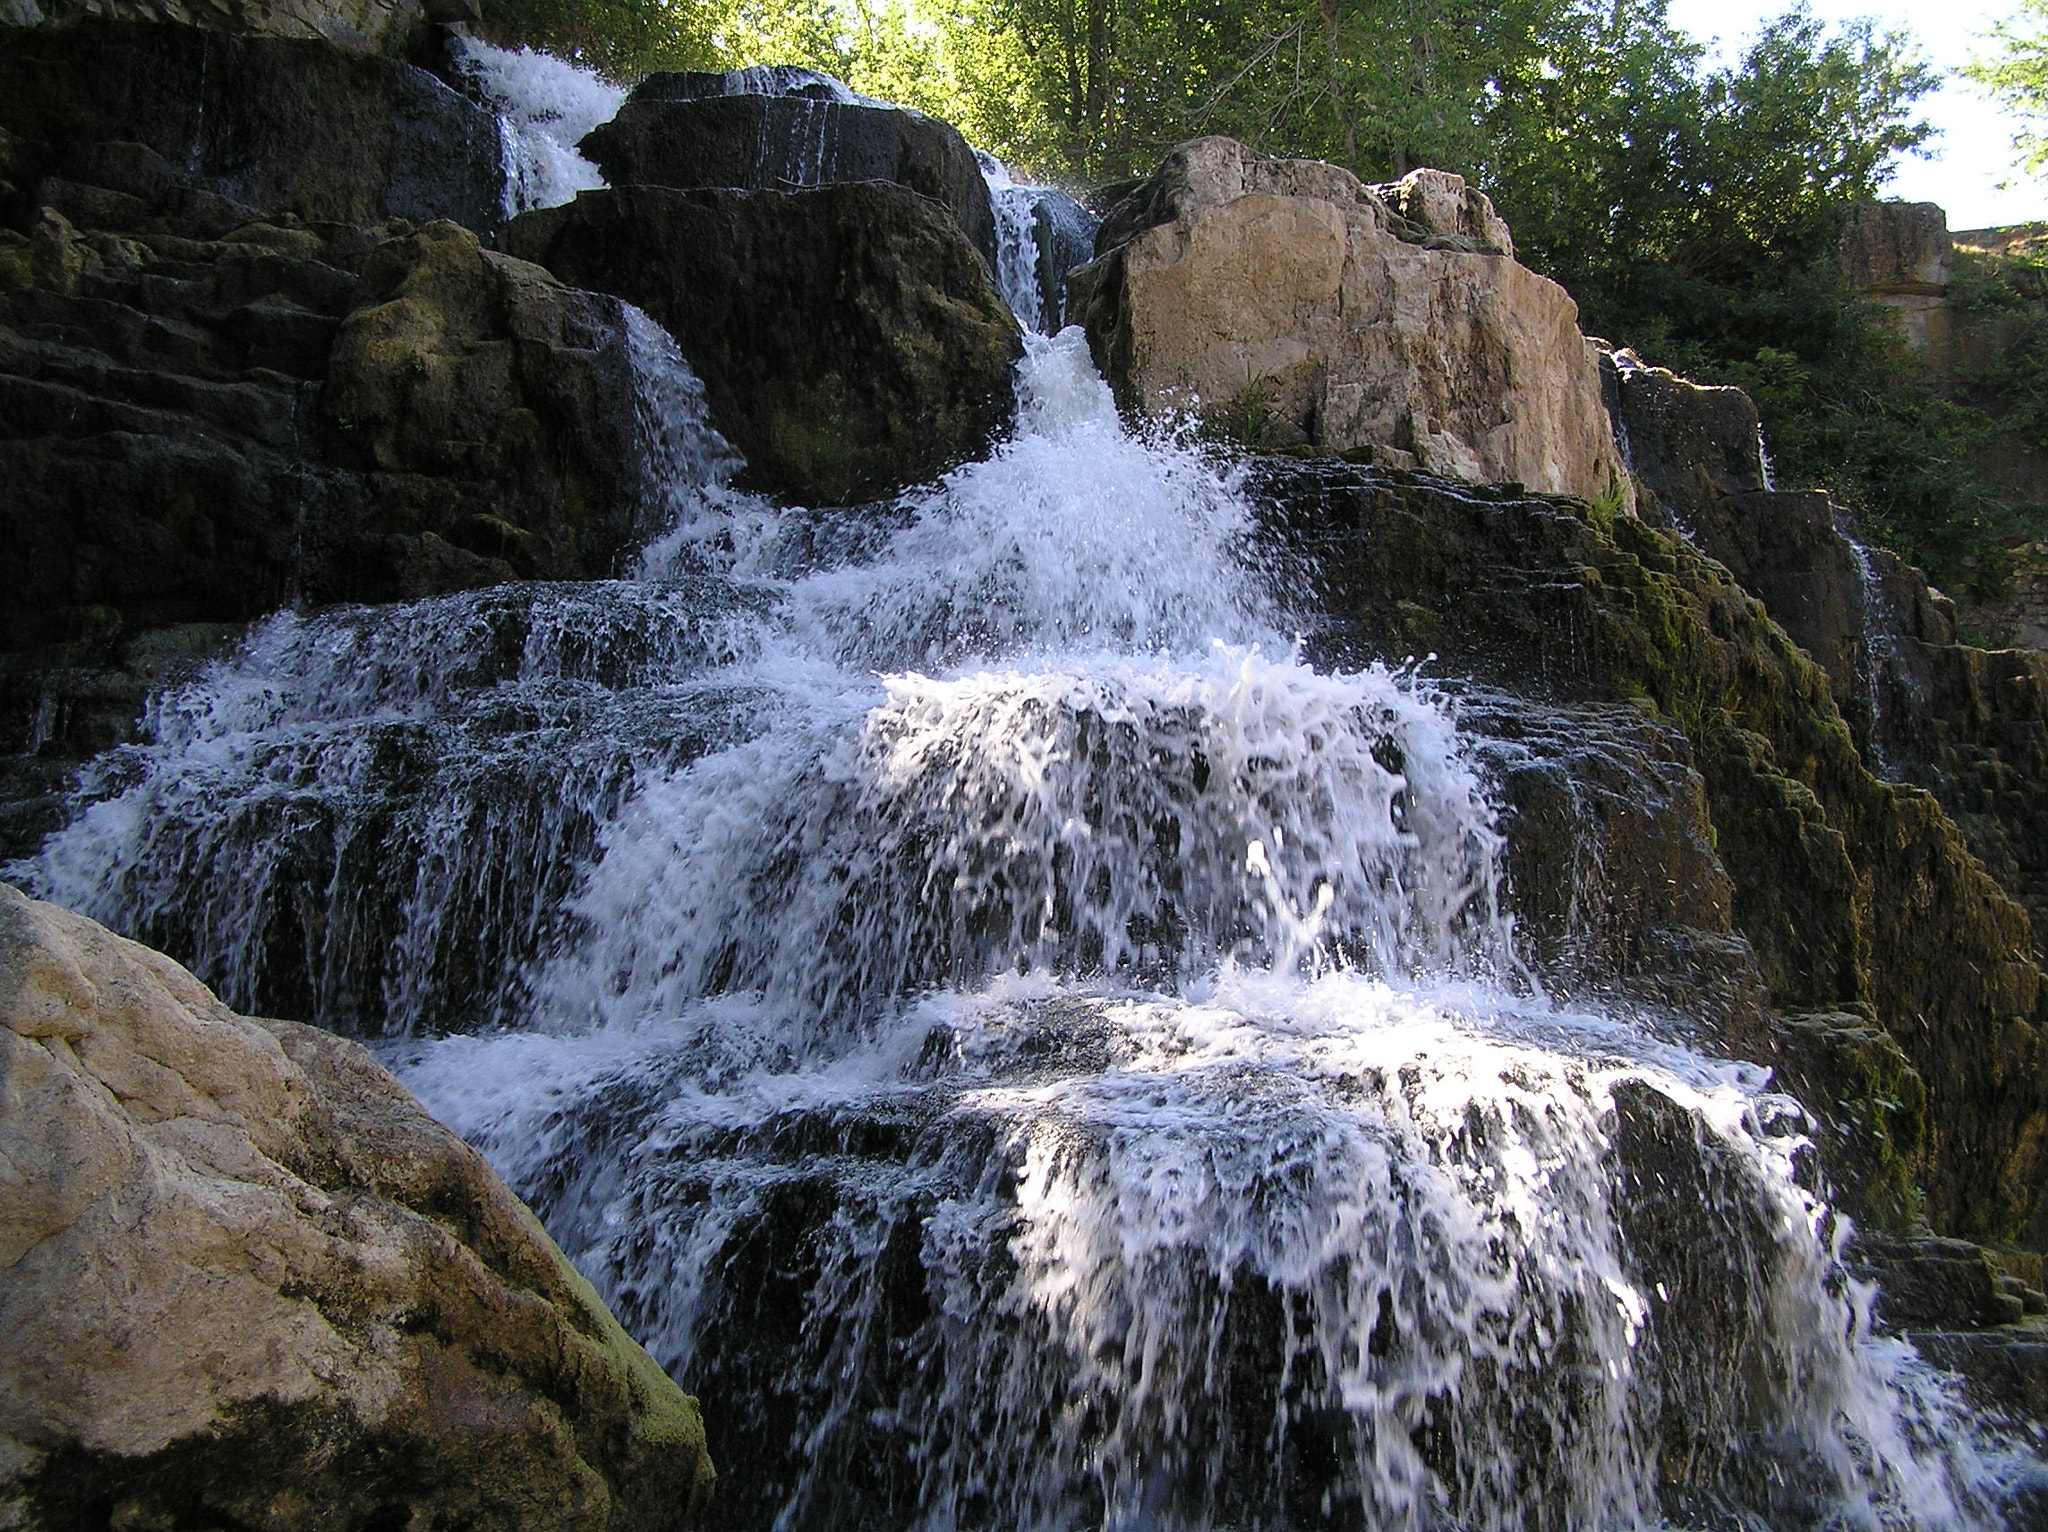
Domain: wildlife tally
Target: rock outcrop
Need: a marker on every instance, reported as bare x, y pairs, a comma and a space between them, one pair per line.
1899, 255
203, 430
764, 130
850, 337
267, 123
209, 408
248, 1282
200, 430
1292, 304
1966, 724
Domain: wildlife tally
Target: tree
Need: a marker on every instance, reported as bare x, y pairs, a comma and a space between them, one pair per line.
2016, 76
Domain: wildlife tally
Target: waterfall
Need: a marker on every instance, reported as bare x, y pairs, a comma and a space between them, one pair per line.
545, 106
1880, 665
1016, 209
1019, 1043
1041, 234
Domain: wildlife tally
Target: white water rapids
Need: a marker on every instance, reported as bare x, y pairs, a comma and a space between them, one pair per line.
1026, 1049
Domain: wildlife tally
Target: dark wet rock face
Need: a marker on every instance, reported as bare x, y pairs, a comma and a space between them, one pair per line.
850, 338
366, 26
1968, 725
182, 450
1688, 445
1611, 868
210, 408
273, 124
691, 130
1850, 891
182, 456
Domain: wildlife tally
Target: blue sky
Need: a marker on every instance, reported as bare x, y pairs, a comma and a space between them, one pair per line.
1973, 149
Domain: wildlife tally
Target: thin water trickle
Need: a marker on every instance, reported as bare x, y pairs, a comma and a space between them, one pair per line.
1020, 1044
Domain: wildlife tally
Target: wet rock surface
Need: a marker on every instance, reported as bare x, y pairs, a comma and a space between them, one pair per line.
249, 1282
1850, 891
271, 124
370, 26
198, 431
1964, 723
210, 409
1612, 875
1288, 303
689, 130
850, 338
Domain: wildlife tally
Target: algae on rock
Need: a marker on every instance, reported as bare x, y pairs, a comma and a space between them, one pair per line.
1853, 892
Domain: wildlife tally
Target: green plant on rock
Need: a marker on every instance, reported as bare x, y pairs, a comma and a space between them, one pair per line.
1251, 418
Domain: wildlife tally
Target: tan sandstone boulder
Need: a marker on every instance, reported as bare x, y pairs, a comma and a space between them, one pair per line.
1300, 306
247, 1282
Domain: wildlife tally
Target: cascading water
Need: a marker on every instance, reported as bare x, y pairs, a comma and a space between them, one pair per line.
545, 107
1018, 1043
1041, 234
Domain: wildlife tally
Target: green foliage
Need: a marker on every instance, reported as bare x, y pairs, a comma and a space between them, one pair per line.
1250, 418
2016, 76
1692, 211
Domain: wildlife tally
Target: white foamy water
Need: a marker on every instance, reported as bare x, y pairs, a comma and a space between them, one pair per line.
1040, 233
1016, 242
1025, 1048
545, 106
1275, 1251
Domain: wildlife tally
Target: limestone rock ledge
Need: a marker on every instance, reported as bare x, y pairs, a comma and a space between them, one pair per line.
1298, 306
246, 1281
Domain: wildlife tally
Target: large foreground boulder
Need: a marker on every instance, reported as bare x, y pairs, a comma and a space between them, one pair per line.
249, 1283
765, 129
1296, 305
850, 338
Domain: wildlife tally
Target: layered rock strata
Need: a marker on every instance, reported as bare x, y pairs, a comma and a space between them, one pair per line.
1967, 724
1858, 898
209, 409
850, 337
1292, 304
248, 1282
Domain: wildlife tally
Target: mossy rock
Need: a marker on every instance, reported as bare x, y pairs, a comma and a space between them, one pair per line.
1854, 893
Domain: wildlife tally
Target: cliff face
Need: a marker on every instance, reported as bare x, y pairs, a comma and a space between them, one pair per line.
1855, 896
